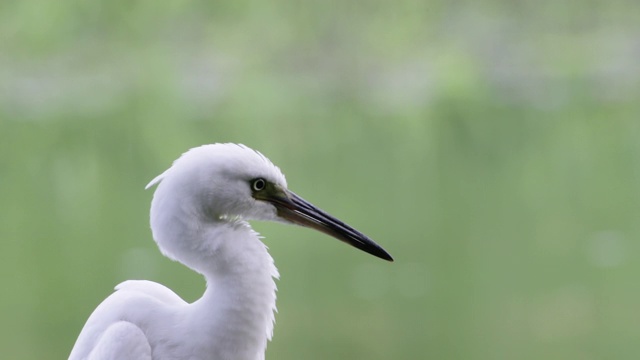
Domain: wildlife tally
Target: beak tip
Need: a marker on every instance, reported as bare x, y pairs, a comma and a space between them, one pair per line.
386, 256
377, 251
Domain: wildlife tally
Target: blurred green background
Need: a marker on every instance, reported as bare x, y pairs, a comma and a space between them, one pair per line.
492, 147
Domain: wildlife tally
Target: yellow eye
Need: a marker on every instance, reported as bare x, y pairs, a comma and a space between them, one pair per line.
258, 184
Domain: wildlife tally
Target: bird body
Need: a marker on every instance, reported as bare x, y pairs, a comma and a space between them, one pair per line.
199, 217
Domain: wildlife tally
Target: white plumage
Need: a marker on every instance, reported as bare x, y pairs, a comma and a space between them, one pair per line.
199, 217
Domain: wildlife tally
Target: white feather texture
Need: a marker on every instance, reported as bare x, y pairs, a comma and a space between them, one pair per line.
198, 217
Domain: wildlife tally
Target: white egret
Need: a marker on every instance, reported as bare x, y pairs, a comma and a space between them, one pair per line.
199, 215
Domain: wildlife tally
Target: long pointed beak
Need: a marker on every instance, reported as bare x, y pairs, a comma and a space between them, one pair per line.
299, 211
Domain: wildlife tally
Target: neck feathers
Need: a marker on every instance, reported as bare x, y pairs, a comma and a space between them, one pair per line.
242, 290
237, 310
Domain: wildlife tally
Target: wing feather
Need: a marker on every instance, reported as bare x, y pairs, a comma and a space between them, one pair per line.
122, 341
111, 331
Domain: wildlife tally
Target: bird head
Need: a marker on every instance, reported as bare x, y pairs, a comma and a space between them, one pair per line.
229, 182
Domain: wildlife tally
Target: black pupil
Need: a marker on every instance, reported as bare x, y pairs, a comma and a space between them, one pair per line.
258, 184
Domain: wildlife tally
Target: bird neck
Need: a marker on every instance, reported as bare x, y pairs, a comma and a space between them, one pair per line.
240, 297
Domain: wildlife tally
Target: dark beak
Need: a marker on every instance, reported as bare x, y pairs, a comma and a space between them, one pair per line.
299, 211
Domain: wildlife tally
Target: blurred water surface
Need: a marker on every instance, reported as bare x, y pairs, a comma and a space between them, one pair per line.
491, 147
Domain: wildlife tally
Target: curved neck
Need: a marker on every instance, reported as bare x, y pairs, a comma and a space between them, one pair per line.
236, 313
237, 309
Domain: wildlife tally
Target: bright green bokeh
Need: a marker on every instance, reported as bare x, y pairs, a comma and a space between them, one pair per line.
493, 148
